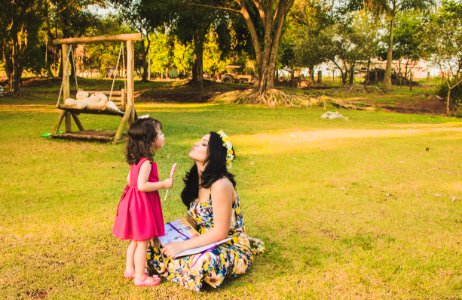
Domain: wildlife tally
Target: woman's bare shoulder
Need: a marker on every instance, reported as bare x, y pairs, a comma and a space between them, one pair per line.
222, 184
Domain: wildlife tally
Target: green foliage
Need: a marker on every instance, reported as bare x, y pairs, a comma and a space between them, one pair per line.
352, 39
168, 52
213, 61
183, 56
408, 37
161, 53
312, 22
102, 56
443, 37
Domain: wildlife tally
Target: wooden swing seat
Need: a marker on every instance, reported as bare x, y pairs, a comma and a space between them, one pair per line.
118, 97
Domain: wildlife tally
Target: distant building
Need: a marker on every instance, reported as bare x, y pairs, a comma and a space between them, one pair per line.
419, 69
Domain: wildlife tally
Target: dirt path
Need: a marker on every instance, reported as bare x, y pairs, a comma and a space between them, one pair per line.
295, 140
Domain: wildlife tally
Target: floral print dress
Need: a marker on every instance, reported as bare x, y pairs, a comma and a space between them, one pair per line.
231, 258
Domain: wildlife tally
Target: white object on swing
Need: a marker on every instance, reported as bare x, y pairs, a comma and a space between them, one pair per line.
1, 91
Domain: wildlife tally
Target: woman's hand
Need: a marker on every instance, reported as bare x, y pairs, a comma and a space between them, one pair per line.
172, 249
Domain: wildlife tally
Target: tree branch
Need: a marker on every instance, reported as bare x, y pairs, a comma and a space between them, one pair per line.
261, 11
215, 7
456, 84
253, 31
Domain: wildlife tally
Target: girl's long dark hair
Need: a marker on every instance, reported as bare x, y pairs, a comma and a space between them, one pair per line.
141, 134
215, 169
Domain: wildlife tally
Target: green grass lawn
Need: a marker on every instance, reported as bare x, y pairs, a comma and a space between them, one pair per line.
369, 207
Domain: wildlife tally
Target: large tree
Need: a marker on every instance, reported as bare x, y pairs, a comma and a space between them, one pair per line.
305, 42
408, 42
389, 9
271, 19
19, 25
265, 21
351, 44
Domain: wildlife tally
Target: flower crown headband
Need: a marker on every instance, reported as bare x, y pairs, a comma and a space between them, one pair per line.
229, 148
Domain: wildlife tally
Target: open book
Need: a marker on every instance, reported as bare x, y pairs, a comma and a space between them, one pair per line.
181, 230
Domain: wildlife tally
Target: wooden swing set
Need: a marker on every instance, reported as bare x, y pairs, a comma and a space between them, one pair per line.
123, 99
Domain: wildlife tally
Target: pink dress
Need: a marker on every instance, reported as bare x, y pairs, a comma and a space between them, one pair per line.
139, 214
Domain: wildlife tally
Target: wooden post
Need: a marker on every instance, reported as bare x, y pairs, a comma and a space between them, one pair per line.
129, 115
66, 88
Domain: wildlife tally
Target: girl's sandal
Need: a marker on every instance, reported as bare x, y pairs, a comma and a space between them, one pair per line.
129, 275
146, 282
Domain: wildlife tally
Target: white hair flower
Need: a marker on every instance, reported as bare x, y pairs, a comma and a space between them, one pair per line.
229, 148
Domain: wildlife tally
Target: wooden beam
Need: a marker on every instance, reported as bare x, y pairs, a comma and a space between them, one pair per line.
77, 122
58, 122
103, 38
66, 69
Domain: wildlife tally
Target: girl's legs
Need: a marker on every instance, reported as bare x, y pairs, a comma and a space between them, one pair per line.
140, 261
141, 277
130, 266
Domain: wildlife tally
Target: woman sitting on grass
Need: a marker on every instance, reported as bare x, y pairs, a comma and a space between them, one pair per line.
214, 207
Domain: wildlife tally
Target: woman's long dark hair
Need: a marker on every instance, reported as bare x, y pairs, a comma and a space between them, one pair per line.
215, 169
141, 134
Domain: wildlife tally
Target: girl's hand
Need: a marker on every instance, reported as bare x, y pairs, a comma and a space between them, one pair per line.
172, 249
168, 183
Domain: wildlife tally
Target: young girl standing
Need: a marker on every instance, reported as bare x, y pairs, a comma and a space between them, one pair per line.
139, 214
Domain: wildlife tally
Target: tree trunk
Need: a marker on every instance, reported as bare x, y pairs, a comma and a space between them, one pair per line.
448, 101
367, 71
352, 75
387, 76
311, 68
410, 81
406, 69
272, 23
149, 67
343, 76
145, 52
197, 71
13, 78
